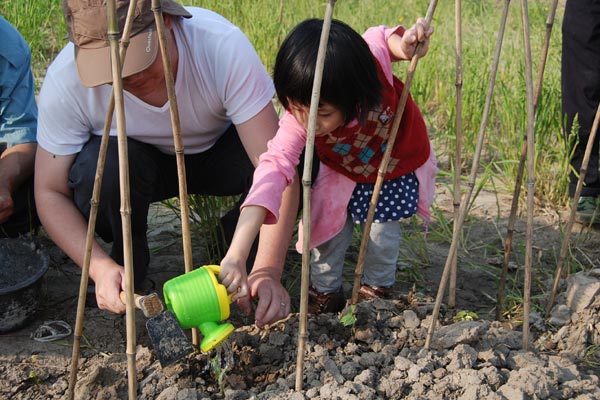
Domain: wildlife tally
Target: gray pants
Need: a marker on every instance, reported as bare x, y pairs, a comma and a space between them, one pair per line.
327, 260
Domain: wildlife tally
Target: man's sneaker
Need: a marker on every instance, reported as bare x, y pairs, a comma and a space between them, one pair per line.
588, 211
319, 303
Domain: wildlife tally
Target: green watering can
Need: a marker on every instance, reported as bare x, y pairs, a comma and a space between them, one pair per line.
198, 300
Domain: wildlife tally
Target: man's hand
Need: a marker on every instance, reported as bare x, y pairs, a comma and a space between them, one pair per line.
6, 204
110, 282
16, 166
273, 299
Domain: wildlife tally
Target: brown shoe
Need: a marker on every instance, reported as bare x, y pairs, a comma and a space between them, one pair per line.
367, 292
319, 303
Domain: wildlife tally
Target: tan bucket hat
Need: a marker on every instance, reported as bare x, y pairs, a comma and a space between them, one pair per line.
87, 27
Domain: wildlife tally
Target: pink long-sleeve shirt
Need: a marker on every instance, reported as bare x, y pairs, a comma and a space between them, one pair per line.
331, 191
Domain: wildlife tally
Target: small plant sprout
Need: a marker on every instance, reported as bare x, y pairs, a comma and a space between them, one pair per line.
348, 316
221, 363
464, 315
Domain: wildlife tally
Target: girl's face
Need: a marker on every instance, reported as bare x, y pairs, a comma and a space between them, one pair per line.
329, 117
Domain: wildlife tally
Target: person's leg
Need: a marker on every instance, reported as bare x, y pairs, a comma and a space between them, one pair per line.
382, 256
24, 220
145, 166
326, 272
581, 85
327, 261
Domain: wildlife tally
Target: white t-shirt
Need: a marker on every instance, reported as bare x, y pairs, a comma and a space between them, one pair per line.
220, 80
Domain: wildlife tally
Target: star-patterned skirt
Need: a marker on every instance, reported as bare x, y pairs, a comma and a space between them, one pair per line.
398, 199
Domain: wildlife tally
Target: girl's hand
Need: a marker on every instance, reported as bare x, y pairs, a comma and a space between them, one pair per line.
405, 48
233, 275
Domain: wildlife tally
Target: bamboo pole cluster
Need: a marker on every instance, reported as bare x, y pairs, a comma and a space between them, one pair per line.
116, 102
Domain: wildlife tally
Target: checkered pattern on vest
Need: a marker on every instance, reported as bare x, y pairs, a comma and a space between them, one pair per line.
357, 151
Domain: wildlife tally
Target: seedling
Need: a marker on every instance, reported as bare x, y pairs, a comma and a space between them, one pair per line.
464, 315
348, 317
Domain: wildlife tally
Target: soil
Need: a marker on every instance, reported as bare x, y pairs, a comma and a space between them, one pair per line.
382, 355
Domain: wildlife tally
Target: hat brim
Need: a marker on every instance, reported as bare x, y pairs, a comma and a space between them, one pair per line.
94, 65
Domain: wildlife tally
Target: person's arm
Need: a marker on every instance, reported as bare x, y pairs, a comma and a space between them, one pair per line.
68, 228
18, 118
233, 265
264, 280
16, 166
403, 47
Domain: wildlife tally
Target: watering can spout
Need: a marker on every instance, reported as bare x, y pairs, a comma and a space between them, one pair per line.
198, 300
214, 334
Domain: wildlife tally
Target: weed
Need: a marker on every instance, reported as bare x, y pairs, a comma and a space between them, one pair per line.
464, 315
591, 357
348, 316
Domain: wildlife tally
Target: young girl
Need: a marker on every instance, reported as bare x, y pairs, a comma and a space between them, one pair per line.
359, 97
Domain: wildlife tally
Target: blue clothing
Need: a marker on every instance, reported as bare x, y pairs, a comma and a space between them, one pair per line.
398, 199
18, 122
18, 110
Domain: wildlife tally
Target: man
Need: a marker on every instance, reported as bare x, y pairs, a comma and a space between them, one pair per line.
18, 126
580, 97
224, 99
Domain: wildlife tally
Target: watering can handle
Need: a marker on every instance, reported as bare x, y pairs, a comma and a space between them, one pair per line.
216, 269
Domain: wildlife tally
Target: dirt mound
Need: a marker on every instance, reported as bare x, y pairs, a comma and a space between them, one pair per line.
381, 356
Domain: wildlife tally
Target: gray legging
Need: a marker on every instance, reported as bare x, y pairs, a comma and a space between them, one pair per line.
223, 170
327, 260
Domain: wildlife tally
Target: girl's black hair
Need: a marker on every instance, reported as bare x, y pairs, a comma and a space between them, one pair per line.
350, 80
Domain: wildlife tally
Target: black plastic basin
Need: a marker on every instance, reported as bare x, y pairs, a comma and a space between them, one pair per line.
22, 267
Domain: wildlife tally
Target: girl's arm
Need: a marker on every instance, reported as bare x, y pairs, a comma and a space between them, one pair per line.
403, 47
233, 266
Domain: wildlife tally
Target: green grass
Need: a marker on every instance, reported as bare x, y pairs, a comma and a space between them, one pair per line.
267, 22
41, 23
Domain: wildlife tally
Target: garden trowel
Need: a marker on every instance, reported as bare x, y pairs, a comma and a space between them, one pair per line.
167, 336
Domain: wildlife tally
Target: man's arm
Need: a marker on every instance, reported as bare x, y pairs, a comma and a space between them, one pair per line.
265, 279
68, 228
16, 166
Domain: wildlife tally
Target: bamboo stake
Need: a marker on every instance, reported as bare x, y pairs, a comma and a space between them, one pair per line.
306, 183
570, 222
471, 184
384, 163
179, 150
113, 35
458, 144
521, 169
95, 201
530, 175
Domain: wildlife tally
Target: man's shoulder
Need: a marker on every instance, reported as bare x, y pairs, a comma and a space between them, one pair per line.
207, 23
61, 81
63, 66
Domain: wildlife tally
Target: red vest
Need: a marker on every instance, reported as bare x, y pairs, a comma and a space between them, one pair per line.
357, 151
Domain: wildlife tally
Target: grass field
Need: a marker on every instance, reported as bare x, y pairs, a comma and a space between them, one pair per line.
267, 21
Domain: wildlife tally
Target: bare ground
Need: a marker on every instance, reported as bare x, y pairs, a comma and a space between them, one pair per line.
381, 356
